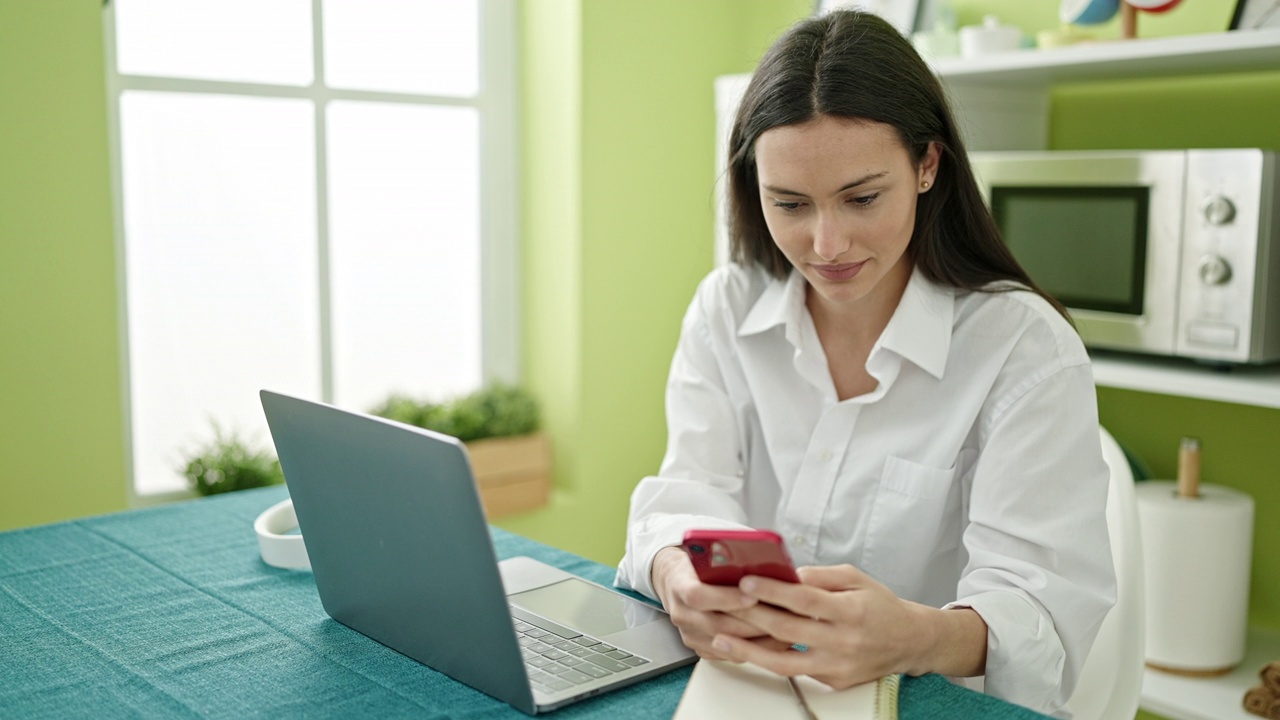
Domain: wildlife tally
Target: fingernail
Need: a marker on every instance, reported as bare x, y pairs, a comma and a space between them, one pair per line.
749, 585
748, 601
721, 644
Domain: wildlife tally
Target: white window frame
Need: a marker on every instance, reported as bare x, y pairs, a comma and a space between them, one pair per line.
496, 103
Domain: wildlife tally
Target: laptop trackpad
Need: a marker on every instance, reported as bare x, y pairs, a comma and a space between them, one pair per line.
586, 607
605, 614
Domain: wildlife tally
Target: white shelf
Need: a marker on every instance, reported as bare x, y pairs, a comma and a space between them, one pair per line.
1003, 98
1237, 50
1243, 385
1220, 698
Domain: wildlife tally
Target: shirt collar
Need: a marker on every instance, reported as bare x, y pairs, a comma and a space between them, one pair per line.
919, 331
781, 304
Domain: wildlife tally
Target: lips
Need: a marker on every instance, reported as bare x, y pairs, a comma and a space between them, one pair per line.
836, 273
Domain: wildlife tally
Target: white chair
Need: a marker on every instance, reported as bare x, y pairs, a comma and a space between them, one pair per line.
1111, 680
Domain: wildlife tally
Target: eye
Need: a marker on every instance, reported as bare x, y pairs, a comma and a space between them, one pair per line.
786, 206
864, 200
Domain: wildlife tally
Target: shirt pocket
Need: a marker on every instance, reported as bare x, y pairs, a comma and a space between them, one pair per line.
915, 522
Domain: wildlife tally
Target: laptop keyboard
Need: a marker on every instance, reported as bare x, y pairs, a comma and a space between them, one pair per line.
557, 662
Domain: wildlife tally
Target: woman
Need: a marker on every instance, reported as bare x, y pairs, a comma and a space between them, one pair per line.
878, 380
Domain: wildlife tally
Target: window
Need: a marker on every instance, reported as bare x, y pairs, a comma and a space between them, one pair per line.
313, 196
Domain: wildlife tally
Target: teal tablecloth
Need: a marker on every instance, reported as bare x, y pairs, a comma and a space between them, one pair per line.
169, 612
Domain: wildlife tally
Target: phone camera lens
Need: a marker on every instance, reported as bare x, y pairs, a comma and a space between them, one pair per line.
697, 549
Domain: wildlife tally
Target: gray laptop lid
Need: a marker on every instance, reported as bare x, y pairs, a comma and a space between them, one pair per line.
379, 565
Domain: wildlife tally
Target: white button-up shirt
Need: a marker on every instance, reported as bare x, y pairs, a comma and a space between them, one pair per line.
971, 476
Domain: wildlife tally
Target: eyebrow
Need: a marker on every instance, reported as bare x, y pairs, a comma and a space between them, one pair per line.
860, 181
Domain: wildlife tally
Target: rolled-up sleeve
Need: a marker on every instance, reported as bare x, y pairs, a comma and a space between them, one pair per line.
703, 467
1040, 571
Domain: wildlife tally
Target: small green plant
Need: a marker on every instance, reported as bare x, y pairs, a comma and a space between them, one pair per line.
228, 463
496, 410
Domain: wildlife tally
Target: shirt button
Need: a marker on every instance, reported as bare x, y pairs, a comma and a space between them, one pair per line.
798, 540
826, 456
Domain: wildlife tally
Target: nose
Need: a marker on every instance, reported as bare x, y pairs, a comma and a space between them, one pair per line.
831, 238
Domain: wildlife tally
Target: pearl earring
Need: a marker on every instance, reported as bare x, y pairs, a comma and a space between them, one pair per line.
924, 185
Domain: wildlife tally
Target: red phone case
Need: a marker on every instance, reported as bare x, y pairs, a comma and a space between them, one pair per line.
723, 557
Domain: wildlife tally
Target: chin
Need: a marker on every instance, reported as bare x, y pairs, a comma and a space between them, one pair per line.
841, 292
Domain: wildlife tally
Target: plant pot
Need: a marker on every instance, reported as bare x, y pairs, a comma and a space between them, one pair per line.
513, 473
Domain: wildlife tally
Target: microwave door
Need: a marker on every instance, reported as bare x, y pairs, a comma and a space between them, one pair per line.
1101, 232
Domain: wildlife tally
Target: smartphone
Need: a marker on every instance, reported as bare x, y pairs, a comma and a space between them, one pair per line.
723, 557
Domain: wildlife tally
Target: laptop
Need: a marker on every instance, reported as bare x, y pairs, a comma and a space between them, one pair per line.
401, 553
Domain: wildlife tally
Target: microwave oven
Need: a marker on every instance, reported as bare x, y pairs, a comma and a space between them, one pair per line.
1165, 252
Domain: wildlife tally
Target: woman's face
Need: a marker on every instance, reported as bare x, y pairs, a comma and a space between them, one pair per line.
839, 198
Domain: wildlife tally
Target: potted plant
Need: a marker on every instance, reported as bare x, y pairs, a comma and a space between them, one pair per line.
510, 456
229, 463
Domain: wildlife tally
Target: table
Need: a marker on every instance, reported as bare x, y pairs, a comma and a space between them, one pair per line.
170, 612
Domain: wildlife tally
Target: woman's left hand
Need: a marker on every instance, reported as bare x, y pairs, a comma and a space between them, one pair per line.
855, 629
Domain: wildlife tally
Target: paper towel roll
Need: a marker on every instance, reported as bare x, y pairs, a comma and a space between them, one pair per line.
1196, 555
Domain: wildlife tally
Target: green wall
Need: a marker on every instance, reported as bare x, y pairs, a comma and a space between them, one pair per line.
61, 427
619, 168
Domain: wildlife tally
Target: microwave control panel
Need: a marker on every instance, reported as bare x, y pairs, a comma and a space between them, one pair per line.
1229, 246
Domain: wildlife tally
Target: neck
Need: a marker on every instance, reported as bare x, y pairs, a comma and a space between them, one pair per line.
859, 322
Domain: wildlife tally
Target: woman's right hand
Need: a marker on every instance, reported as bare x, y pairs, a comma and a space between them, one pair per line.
697, 609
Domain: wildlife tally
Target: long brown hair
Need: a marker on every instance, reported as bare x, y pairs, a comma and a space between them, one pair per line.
853, 64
